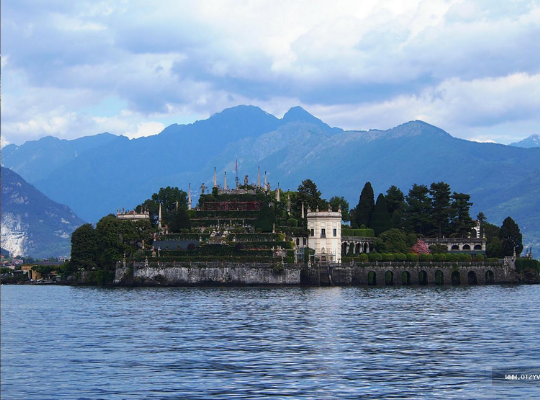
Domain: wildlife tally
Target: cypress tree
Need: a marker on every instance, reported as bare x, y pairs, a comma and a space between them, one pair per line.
381, 219
511, 237
366, 205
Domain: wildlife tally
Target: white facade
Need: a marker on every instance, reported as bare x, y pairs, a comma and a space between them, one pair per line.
325, 235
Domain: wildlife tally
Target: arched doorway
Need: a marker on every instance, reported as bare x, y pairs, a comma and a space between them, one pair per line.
490, 277
471, 278
389, 278
456, 278
405, 278
372, 278
422, 278
439, 277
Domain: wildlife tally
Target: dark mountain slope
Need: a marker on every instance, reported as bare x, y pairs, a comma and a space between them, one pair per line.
33, 224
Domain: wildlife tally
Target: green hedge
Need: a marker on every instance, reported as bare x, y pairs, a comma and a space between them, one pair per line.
358, 232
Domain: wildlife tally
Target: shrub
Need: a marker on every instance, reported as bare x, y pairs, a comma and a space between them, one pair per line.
374, 257
400, 257
439, 257
452, 257
413, 257
388, 257
480, 257
426, 257
363, 257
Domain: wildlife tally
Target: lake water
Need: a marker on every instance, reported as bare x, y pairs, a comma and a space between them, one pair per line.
315, 343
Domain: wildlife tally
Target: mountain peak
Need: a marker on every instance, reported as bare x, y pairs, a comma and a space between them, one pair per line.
531, 141
297, 113
416, 127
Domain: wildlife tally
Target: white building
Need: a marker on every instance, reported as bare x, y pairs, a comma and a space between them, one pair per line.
325, 234
133, 215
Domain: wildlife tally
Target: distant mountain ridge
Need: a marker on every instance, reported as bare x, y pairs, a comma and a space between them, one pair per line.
33, 224
530, 142
122, 173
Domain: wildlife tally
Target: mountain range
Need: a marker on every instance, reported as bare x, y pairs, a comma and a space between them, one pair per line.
97, 175
531, 141
33, 224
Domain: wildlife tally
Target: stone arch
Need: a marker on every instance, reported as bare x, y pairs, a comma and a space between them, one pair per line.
456, 278
372, 278
478, 247
366, 248
358, 248
490, 276
474, 233
389, 278
471, 278
455, 247
344, 248
466, 247
422, 278
405, 278
439, 277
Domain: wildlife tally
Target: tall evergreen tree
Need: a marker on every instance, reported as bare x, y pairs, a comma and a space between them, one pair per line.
337, 202
462, 223
381, 219
440, 207
395, 203
482, 220
365, 207
309, 195
511, 237
418, 211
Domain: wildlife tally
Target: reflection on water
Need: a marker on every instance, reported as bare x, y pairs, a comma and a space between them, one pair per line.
167, 343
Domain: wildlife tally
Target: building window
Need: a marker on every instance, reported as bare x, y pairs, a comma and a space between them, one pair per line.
335, 232
323, 233
312, 231
305, 241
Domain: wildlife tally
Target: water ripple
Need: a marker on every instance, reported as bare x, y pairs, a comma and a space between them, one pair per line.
309, 343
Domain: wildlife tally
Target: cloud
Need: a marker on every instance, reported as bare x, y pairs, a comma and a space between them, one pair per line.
370, 64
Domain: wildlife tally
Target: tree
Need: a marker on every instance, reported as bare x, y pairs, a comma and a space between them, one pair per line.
511, 237
418, 211
482, 220
462, 223
380, 219
265, 220
440, 207
179, 220
420, 247
339, 201
83, 248
395, 203
170, 199
365, 207
392, 241
310, 196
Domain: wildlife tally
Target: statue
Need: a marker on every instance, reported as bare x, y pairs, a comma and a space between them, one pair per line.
203, 187
246, 182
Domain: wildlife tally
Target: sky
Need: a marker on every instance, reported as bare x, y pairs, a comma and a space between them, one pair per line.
72, 69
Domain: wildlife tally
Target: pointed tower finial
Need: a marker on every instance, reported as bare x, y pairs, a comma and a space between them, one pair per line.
159, 217
302, 210
215, 180
277, 193
189, 198
288, 202
258, 177
225, 183
265, 182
